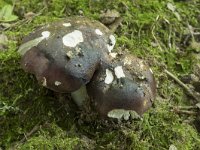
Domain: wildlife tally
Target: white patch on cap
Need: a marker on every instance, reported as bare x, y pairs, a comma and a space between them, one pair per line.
123, 114
67, 24
119, 72
111, 44
73, 38
109, 77
113, 55
44, 82
141, 64
57, 83
28, 45
45, 34
97, 31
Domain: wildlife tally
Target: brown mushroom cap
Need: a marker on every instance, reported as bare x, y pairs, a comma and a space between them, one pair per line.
134, 91
64, 55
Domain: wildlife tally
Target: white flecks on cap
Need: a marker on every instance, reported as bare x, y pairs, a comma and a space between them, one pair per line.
97, 31
67, 24
127, 61
57, 83
111, 44
119, 72
45, 34
109, 77
73, 38
141, 64
151, 70
44, 81
69, 54
114, 55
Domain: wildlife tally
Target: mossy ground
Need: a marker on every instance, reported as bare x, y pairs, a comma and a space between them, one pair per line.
150, 31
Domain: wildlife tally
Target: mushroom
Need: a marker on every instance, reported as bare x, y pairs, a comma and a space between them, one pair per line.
64, 55
123, 89
76, 56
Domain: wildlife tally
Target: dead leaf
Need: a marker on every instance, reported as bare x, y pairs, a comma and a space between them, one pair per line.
29, 15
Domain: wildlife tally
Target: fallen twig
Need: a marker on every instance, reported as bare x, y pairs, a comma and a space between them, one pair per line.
178, 111
187, 107
27, 135
153, 34
190, 110
186, 88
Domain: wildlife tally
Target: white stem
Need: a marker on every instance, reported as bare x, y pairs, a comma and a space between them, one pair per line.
80, 96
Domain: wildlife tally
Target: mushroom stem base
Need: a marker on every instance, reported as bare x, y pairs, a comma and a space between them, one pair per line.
80, 96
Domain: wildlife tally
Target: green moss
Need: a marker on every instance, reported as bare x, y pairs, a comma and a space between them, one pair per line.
150, 31
159, 129
51, 138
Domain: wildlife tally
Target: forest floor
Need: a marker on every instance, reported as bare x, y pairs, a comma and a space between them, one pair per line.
166, 34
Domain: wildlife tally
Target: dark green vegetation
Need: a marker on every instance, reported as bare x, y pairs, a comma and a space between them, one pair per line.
32, 117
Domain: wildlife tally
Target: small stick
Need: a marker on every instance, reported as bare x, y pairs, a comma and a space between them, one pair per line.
153, 34
27, 135
185, 112
186, 88
187, 107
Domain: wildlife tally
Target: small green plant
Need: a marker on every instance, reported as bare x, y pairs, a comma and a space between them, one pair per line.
6, 14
